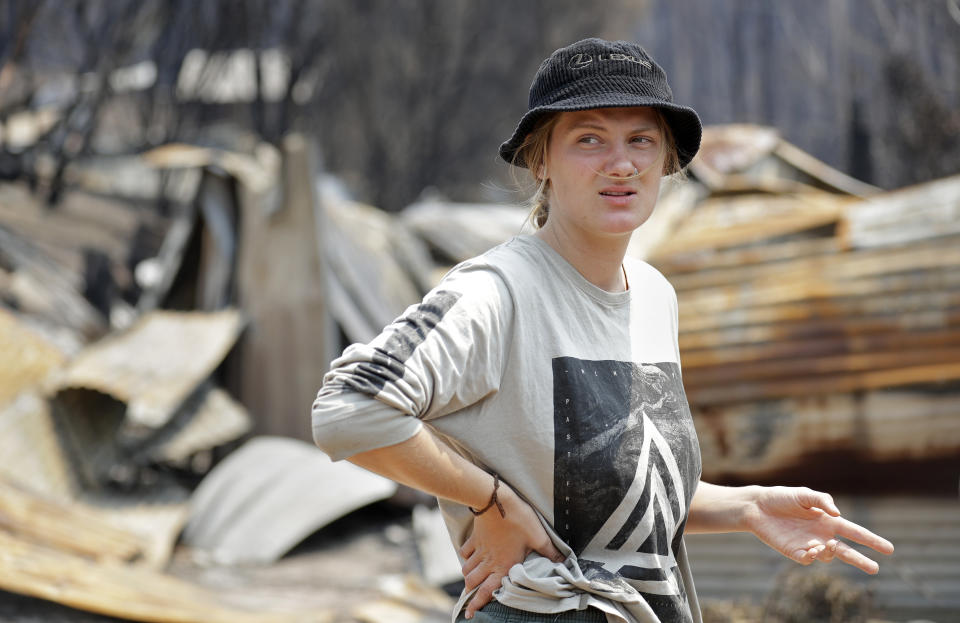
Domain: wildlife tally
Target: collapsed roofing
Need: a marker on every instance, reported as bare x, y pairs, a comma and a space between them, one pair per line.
818, 318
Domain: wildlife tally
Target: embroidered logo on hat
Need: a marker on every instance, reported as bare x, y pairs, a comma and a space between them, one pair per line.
578, 61
616, 56
581, 60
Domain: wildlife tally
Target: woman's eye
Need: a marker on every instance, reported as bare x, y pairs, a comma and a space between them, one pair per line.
642, 139
588, 140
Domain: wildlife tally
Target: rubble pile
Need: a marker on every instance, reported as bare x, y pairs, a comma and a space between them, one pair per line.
158, 363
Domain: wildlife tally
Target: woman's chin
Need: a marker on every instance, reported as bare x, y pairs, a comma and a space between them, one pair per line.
623, 224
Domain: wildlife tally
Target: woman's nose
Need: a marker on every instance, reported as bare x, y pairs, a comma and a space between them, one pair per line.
619, 165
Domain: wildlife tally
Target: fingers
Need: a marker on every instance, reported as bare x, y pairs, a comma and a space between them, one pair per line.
829, 551
467, 549
483, 595
841, 551
816, 499
549, 551
859, 534
852, 557
470, 562
807, 555
468, 569
476, 577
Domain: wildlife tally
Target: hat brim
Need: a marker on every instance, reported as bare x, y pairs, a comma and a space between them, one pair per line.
683, 120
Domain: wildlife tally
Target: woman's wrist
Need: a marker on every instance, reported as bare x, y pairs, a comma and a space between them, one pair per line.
494, 501
748, 507
717, 509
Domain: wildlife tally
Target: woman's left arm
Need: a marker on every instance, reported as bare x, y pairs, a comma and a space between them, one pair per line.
802, 524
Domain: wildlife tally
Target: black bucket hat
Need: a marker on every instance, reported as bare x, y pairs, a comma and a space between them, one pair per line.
594, 73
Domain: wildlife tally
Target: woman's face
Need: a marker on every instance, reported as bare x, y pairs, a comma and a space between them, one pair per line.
591, 162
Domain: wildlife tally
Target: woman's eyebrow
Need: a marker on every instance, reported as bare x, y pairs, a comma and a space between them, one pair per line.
590, 125
587, 125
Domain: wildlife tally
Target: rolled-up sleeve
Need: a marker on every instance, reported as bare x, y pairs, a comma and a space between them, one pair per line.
348, 422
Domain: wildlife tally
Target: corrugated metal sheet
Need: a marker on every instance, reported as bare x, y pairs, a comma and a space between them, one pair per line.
908, 215
272, 493
377, 267
814, 321
34, 457
27, 357
125, 591
462, 230
213, 419
741, 155
80, 221
66, 527
31, 451
729, 221
157, 363
42, 287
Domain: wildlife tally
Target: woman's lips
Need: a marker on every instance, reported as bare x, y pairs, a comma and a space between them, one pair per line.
617, 196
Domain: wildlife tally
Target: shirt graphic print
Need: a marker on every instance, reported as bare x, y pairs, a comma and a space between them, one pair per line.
627, 463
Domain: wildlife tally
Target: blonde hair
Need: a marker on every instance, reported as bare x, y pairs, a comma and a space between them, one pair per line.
533, 153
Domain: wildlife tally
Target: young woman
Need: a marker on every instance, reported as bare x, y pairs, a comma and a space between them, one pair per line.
537, 391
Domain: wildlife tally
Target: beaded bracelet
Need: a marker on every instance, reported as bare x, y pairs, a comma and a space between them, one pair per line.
493, 500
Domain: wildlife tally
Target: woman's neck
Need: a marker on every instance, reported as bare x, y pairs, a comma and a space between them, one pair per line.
599, 261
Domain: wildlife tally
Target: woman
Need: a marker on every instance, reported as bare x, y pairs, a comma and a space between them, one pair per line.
537, 390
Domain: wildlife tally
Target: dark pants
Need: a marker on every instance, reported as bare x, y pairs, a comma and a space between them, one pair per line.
495, 612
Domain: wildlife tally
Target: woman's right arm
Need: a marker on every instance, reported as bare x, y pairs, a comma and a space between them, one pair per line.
376, 403
497, 543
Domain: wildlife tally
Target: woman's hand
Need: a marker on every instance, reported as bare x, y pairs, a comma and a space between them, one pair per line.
805, 525
497, 543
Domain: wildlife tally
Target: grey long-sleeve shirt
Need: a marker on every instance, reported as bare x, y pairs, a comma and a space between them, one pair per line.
571, 393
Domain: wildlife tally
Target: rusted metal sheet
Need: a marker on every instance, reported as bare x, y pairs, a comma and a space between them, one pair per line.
121, 590
681, 265
157, 363
37, 458
821, 173
756, 439
730, 149
70, 448
63, 526
741, 220
155, 513
791, 304
738, 156
908, 215
270, 494
676, 201
844, 321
